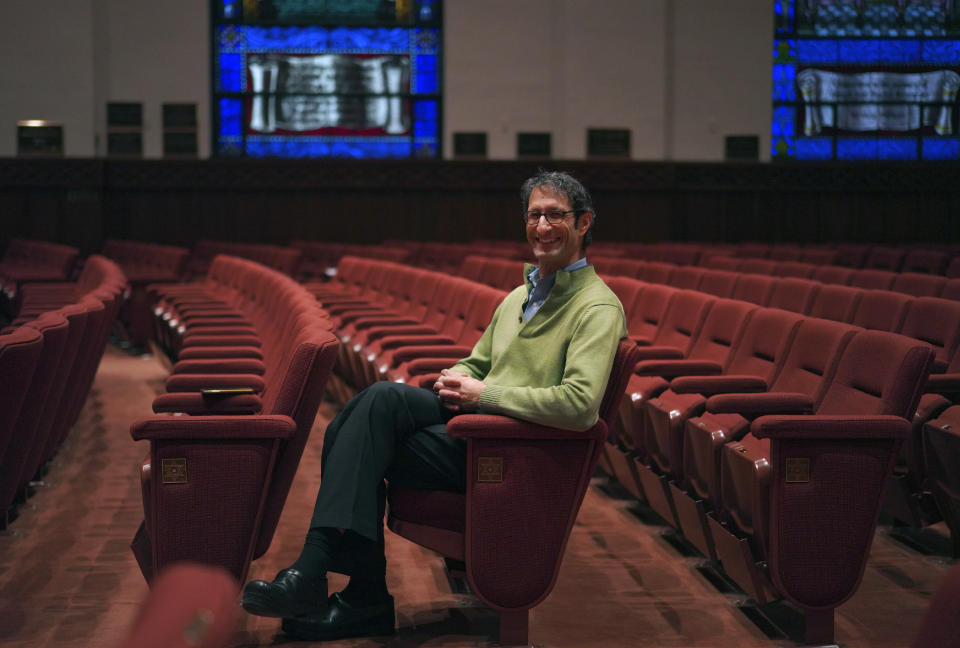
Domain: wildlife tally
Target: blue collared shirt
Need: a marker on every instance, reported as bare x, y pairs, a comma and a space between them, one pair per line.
539, 289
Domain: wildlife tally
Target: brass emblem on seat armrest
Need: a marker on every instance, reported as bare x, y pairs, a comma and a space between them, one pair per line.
490, 469
174, 471
798, 470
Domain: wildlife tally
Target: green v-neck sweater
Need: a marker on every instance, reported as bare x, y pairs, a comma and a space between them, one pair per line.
553, 369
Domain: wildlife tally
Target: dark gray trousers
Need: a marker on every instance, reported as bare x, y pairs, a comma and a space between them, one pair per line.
388, 431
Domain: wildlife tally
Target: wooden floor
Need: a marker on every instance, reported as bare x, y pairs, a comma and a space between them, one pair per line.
67, 577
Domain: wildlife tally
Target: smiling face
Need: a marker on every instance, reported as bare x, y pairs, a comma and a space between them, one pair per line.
555, 246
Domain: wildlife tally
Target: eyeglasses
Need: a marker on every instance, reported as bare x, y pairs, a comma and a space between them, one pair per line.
553, 216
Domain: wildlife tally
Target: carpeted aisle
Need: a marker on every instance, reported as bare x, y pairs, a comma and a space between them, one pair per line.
67, 577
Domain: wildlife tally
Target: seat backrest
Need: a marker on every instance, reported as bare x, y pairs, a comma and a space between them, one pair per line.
754, 288
833, 274
19, 354
852, 255
683, 319
753, 250
657, 272
819, 256
300, 391
813, 357
951, 290
885, 258
878, 373
953, 268
485, 302
763, 344
721, 330
54, 330
623, 363
797, 269
472, 267
925, 261
918, 284
794, 294
881, 310
873, 279
837, 303
648, 310
627, 290
782, 252
758, 266
686, 277
719, 283
719, 262
936, 322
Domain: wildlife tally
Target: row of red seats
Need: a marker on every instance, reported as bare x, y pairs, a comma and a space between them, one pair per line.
27, 260
144, 264
48, 359
254, 352
692, 437
318, 259
730, 273
403, 323
928, 258
283, 259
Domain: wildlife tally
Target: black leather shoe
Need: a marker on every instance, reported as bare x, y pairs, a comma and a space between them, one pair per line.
342, 620
291, 594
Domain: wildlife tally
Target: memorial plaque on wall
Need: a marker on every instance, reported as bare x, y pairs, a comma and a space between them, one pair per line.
124, 114
470, 144
608, 142
533, 144
125, 143
741, 147
38, 138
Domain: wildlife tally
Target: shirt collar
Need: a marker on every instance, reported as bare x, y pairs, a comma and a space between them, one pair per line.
534, 275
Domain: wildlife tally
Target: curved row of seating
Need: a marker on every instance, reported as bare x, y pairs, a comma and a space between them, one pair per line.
26, 261
283, 259
319, 259
828, 389
254, 353
48, 359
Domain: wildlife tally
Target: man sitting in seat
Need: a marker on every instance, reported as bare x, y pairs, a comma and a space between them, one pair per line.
545, 357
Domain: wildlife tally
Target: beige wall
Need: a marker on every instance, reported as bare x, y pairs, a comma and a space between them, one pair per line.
680, 74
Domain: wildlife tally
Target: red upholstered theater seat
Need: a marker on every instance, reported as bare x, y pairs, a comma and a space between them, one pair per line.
797, 389
953, 268
796, 269
801, 494
711, 350
951, 290
919, 285
852, 255
936, 322
793, 294
758, 266
881, 310
543, 476
833, 274
941, 454
753, 365
837, 303
189, 606
754, 288
820, 256
873, 279
728, 263
784, 252
885, 258
686, 277
941, 623
926, 261
657, 272
719, 283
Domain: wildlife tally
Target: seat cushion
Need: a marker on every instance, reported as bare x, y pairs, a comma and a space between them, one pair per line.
441, 509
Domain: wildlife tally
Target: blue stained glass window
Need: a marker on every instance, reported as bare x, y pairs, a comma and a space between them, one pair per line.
857, 148
425, 110
941, 148
426, 82
858, 51
424, 129
784, 120
942, 51
817, 51
231, 116
784, 82
230, 146
784, 10
900, 51
316, 147
232, 74
814, 148
897, 148
426, 40
426, 62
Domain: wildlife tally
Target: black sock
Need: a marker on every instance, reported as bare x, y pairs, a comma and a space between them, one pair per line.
368, 582
321, 544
